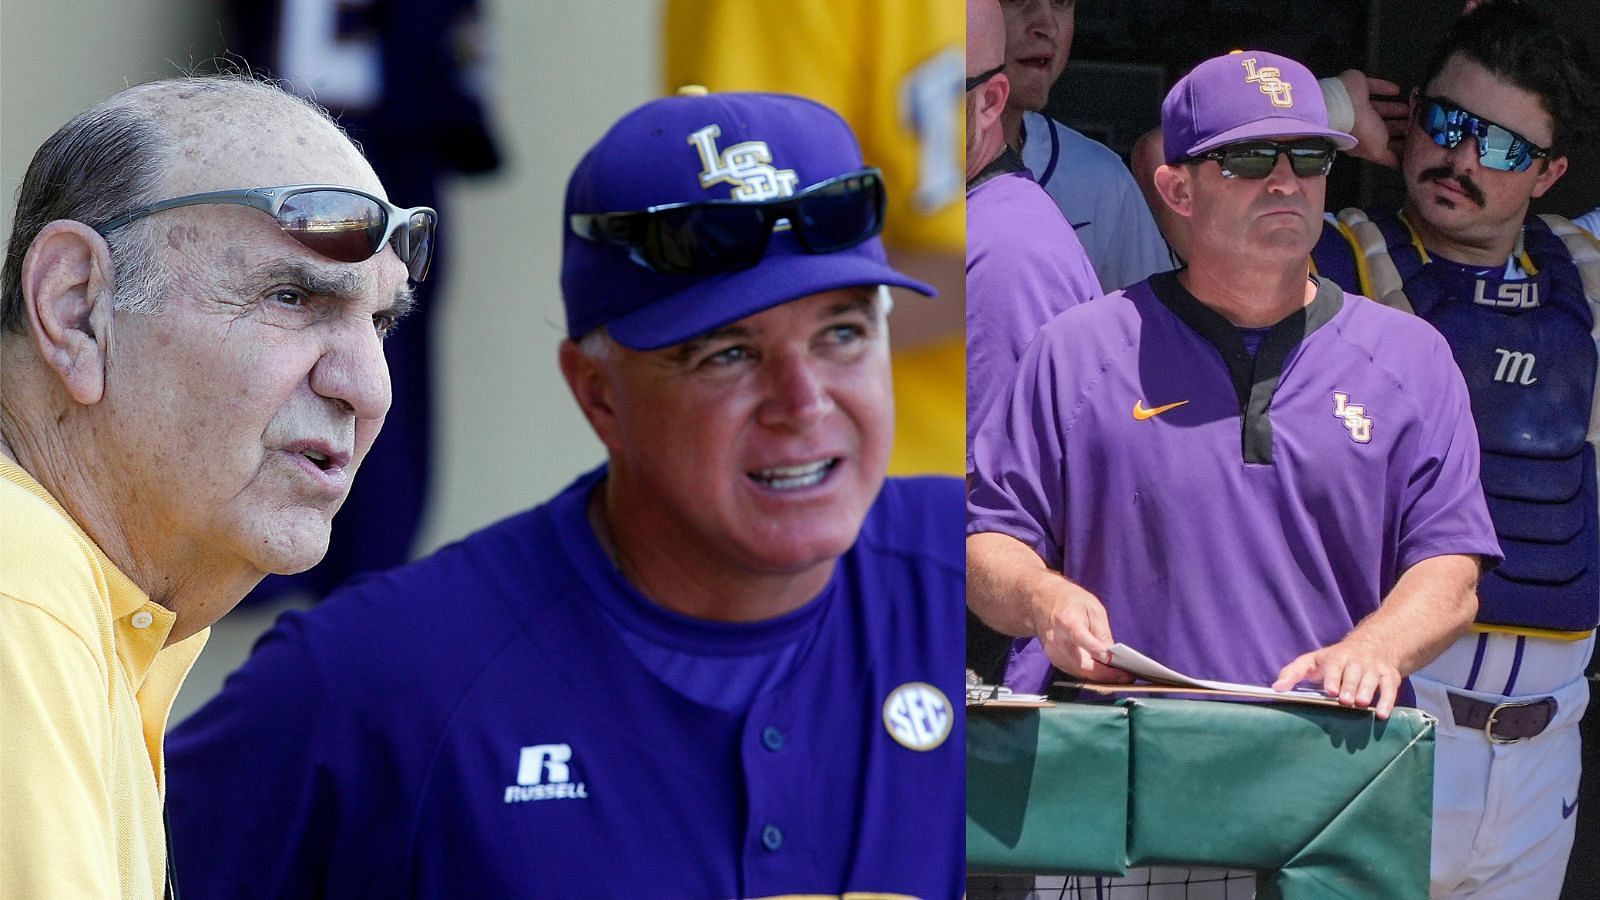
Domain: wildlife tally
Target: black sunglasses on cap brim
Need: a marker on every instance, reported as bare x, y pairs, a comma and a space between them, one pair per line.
341, 223
710, 236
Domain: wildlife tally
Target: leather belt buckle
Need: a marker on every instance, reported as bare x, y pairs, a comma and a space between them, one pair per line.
1503, 723
1488, 725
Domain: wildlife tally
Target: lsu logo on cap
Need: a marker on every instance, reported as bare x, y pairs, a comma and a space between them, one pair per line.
746, 165
918, 715
1273, 86
1355, 417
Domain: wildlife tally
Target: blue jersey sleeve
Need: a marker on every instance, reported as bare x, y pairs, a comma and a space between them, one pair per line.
1334, 257
258, 746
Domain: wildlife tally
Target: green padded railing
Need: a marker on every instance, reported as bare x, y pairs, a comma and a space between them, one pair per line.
1322, 802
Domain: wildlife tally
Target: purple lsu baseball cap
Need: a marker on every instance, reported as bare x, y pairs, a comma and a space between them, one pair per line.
1245, 95
695, 147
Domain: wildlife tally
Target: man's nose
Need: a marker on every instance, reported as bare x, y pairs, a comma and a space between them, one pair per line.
795, 393
353, 372
1041, 21
1282, 178
1464, 156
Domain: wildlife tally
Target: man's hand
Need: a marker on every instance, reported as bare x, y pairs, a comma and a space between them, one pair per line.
1011, 589
1431, 605
1352, 670
1381, 121
1071, 625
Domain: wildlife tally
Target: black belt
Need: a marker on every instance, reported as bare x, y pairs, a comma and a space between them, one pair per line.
1503, 723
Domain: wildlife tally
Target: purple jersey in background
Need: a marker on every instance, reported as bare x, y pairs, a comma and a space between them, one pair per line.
1024, 266
1231, 512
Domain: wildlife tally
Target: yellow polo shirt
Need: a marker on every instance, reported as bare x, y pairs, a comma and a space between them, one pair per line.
85, 688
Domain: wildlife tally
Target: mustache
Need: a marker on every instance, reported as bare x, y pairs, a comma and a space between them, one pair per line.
1447, 173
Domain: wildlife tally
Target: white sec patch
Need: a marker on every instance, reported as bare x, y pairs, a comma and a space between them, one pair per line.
918, 715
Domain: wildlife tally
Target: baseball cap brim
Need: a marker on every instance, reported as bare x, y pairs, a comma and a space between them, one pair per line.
1271, 128
724, 299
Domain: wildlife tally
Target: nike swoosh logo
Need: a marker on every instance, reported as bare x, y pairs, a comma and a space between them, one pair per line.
1140, 413
1567, 811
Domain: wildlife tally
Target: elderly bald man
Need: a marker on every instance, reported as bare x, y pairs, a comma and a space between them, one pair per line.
196, 292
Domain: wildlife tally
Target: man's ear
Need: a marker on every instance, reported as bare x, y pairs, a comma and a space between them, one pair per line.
590, 386
1553, 170
1172, 183
68, 291
992, 97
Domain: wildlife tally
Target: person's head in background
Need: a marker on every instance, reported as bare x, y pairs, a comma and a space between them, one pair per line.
1038, 42
987, 84
197, 379
1507, 95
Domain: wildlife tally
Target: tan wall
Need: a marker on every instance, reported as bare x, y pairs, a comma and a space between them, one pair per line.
509, 434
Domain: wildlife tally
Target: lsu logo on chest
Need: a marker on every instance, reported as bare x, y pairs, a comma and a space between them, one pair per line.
1354, 415
1508, 295
746, 165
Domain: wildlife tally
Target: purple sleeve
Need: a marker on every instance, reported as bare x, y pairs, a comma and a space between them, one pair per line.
1024, 267
1443, 509
1017, 485
247, 792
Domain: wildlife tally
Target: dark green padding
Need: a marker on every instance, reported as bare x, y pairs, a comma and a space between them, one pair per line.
1335, 801
1047, 793
1324, 802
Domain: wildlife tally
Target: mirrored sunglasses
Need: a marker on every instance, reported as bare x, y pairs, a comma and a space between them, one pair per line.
1499, 147
709, 236
1308, 158
341, 223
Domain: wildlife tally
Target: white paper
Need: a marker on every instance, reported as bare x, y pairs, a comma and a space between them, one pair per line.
1132, 661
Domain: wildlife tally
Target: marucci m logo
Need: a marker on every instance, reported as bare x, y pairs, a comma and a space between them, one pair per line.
746, 165
543, 773
1516, 367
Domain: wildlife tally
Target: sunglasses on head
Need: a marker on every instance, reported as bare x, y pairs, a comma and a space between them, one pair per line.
341, 223
709, 236
1499, 147
1308, 158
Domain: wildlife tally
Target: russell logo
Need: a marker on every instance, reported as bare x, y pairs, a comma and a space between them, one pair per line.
544, 773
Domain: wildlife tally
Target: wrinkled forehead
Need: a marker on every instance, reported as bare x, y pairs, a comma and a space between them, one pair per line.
222, 146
